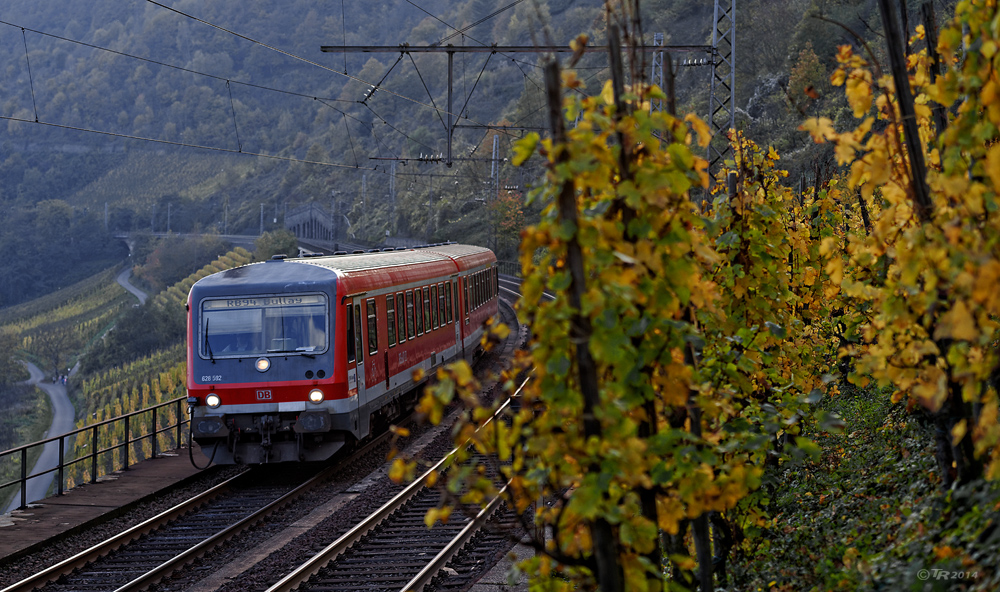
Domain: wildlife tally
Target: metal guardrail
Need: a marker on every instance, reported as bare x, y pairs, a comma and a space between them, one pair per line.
95, 453
512, 268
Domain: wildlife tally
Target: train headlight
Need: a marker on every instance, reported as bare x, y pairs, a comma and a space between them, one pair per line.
262, 364
316, 396
213, 400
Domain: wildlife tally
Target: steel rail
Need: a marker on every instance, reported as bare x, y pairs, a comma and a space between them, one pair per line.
441, 559
172, 565
85, 557
317, 562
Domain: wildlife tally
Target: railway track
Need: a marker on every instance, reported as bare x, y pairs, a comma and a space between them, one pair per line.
187, 534
392, 549
158, 547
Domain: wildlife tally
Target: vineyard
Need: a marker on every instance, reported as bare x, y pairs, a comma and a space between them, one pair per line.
79, 303
62, 326
146, 177
774, 388
156, 378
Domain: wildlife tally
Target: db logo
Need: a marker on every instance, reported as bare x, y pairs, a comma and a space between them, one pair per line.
263, 395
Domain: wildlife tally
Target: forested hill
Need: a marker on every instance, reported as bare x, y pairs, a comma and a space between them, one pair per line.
165, 76
187, 95
208, 97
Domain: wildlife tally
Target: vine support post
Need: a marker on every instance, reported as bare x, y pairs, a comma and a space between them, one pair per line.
911, 135
930, 30
609, 573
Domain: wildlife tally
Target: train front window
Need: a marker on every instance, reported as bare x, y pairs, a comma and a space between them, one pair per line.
257, 325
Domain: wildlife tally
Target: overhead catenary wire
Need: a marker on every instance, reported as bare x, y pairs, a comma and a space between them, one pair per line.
324, 100
31, 81
478, 78
179, 144
404, 134
351, 138
229, 82
343, 21
429, 95
236, 128
287, 53
477, 23
171, 66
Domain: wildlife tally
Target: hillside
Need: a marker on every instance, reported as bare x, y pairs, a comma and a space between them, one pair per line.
188, 100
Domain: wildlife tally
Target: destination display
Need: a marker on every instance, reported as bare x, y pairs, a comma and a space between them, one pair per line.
263, 302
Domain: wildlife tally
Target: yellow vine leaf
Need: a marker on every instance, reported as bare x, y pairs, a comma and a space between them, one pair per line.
701, 128
993, 164
931, 392
608, 93
958, 432
670, 512
957, 324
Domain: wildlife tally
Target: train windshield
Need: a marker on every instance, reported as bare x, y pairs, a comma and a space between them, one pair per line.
258, 325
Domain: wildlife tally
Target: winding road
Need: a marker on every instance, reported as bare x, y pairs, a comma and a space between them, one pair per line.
123, 280
63, 417
62, 422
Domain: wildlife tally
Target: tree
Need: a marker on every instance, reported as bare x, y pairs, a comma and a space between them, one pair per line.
56, 345
10, 366
278, 242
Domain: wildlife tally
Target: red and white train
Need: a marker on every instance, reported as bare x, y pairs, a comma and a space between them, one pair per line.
289, 359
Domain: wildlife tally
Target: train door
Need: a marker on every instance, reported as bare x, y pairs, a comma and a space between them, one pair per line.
359, 348
453, 314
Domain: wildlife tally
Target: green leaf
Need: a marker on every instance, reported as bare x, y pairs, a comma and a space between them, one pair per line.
776, 329
524, 148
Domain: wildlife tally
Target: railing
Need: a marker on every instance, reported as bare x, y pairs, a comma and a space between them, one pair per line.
109, 429
509, 268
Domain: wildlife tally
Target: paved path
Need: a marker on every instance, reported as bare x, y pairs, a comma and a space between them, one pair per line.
62, 422
123, 280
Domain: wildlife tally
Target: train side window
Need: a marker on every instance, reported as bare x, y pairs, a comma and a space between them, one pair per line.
372, 328
465, 290
440, 305
411, 327
434, 312
390, 316
447, 301
427, 309
401, 307
418, 310
350, 335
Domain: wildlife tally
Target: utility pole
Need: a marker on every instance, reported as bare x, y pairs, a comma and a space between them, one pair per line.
495, 166
451, 126
503, 50
722, 96
392, 198
261, 219
657, 75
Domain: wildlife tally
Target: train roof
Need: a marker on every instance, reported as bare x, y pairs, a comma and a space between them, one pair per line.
353, 273
465, 257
